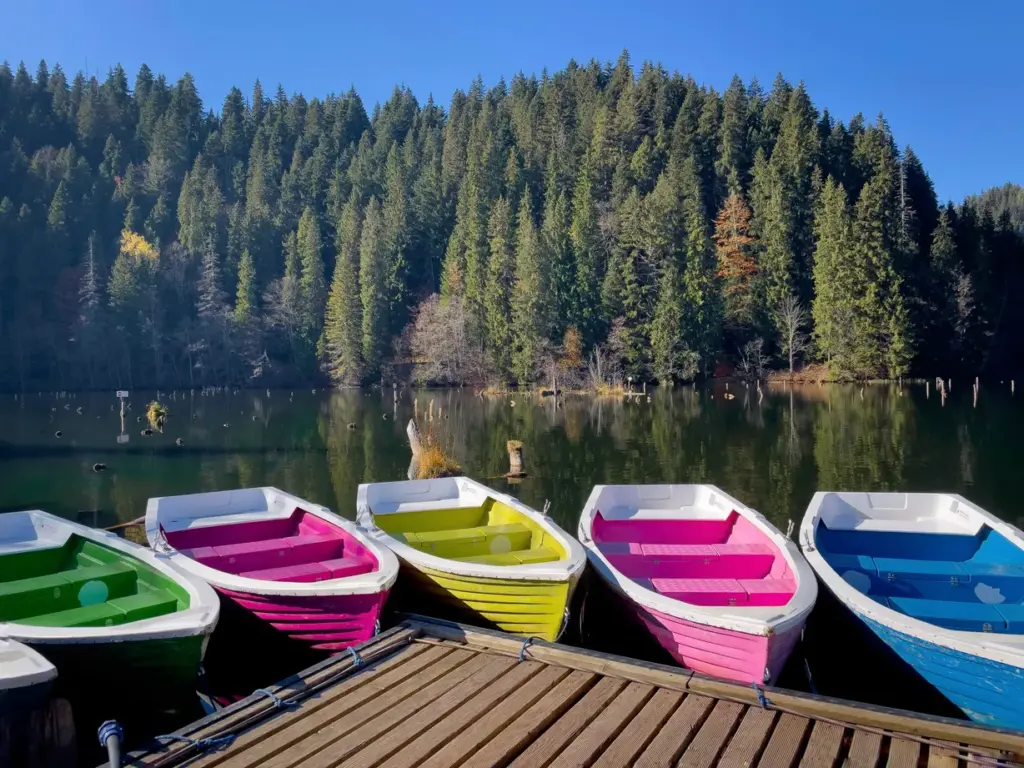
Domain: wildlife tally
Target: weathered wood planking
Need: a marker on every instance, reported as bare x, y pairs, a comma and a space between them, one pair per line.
423, 699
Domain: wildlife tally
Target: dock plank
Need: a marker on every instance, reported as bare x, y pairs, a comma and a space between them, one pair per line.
675, 736
532, 723
785, 743
542, 751
823, 747
945, 756
640, 730
436, 695
407, 671
421, 689
468, 712
380, 748
712, 736
528, 696
865, 750
903, 753
749, 739
605, 727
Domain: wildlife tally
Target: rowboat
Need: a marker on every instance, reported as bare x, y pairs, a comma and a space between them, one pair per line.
25, 676
475, 555
295, 565
716, 584
939, 580
104, 611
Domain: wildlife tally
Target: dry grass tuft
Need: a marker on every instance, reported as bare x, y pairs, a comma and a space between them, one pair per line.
435, 461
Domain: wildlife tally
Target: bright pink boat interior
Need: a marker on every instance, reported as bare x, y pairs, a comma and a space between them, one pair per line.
299, 548
701, 562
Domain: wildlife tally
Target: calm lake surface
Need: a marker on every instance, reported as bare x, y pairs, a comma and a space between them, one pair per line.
771, 453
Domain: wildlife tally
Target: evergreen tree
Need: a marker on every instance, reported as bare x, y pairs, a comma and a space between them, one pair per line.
395, 239
586, 245
373, 288
736, 265
245, 296
836, 277
343, 327
557, 255
529, 296
500, 285
312, 285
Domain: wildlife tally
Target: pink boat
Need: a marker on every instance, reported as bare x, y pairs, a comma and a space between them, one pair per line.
307, 572
716, 584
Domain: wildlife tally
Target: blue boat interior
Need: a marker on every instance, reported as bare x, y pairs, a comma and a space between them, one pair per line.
960, 582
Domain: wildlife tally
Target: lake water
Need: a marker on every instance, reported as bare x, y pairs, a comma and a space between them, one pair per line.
771, 452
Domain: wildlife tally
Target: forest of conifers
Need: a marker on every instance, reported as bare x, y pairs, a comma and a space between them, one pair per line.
617, 223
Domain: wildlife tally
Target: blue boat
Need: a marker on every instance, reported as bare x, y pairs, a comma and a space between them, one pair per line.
939, 580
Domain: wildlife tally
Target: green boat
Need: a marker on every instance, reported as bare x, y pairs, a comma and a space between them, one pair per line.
120, 624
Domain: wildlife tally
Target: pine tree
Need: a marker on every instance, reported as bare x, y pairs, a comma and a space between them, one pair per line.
343, 327
245, 296
529, 297
586, 244
771, 224
671, 359
701, 293
500, 284
733, 156
835, 280
312, 284
557, 255
395, 240
373, 288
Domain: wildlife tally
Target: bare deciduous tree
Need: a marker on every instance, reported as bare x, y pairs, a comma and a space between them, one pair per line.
441, 343
753, 359
790, 319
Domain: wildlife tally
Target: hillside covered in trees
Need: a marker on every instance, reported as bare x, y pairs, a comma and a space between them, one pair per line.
634, 219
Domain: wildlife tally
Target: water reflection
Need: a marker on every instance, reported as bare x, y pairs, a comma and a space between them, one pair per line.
772, 449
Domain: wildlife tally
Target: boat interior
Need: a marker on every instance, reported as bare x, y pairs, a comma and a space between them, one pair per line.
300, 547
972, 582
81, 583
710, 562
492, 533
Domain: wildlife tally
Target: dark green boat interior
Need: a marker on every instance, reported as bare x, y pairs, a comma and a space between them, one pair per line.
83, 584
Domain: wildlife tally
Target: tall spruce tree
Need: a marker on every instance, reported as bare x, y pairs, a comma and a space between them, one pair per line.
501, 283
373, 264
343, 327
529, 296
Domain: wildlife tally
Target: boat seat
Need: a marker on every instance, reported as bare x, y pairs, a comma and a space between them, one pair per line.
275, 553
301, 572
949, 614
146, 605
702, 591
340, 567
765, 592
311, 548
993, 570
59, 591
896, 569
1013, 614
204, 556
470, 542
678, 551
843, 563
518, 557
99, 615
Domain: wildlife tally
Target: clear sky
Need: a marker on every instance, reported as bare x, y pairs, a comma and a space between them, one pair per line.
949, 76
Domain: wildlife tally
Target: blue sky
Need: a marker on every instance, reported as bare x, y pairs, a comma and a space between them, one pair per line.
947, 76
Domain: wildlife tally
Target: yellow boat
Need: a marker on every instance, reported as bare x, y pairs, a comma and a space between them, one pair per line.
474, 555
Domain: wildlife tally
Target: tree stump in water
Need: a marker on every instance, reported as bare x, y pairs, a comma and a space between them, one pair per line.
515, 459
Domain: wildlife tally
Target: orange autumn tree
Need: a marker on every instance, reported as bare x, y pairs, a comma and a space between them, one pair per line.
736, 265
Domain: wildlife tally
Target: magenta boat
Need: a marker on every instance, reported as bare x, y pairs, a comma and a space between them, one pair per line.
307, 572
716, 584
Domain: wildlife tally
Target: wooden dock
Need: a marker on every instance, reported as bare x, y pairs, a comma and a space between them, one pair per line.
434, 694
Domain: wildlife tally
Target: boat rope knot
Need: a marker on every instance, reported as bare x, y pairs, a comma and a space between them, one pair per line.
278, 702
761, 698
526, 644
376, 627
357, 660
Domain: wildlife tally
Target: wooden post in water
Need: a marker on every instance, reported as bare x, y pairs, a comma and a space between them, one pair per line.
413, 433
1011, 386
515, 459
927, 390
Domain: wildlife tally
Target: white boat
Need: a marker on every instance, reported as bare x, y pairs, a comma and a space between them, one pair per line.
25, 676
716, 584
104, 611
470, 553
307, 572
939, 580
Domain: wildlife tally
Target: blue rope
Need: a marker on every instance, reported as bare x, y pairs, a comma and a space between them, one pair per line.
526, 644
357, 660
199, 744
278, 703
761, 698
